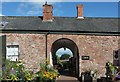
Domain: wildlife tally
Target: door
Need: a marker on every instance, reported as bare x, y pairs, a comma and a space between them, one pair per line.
2, 52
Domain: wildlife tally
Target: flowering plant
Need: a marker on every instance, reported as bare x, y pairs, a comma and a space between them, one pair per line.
28, 76
12, 70
50, 75
15, 71
13, 77
46, 72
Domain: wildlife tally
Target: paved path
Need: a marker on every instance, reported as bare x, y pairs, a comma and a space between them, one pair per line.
63, 78
66, 77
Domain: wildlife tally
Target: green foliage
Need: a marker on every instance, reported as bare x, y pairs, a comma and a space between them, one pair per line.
28, 76
13, 77
9, 65
111, 68
46, 72
65, 56
58, 58
66, 65
7, 68
15, 71
58, 61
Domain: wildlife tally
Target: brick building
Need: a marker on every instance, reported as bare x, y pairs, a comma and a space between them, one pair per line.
32, 39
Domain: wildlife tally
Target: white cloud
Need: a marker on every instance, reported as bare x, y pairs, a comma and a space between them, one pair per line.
31, 0
1, 14
29, 8
35, 8
32, 8
32, 12
60, 0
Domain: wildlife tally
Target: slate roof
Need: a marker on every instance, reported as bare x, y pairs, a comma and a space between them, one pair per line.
35, 23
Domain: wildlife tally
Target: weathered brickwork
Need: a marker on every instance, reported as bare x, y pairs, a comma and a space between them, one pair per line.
32, 49
99, 48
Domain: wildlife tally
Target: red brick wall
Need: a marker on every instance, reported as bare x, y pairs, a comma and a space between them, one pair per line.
33, 49
99, 48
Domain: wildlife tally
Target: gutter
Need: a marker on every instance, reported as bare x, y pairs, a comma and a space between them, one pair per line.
63, 32
46, 36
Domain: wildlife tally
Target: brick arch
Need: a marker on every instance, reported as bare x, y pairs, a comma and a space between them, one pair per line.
63, 42
70, 44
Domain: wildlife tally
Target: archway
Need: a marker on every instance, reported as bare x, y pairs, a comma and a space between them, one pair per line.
67, 43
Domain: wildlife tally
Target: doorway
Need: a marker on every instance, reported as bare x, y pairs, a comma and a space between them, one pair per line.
66, 62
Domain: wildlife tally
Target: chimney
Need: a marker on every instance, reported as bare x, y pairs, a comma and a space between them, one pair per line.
47, 12
80, 12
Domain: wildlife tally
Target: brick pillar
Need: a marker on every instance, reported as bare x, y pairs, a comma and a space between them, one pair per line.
47, 12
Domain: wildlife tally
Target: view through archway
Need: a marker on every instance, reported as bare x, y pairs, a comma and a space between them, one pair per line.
65, 57
63, 61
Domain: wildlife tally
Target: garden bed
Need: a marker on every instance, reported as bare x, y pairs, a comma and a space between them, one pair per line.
15, 72
9, 80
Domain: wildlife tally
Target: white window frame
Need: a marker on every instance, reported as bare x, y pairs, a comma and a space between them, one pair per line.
12, 52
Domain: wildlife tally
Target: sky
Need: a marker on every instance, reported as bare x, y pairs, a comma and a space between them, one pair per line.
61, 9
61, 51
60, 0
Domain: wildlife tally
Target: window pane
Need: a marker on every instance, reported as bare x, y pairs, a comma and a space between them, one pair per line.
15, 51
12, 52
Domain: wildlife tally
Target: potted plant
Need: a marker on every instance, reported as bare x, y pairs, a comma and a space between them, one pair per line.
46, 73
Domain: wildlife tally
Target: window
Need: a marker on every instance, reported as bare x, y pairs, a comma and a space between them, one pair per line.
12, 52
115, 58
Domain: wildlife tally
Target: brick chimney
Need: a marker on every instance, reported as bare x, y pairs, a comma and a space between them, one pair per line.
80, 12
47, 12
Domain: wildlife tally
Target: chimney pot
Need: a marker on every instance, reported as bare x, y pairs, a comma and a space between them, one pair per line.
80, 11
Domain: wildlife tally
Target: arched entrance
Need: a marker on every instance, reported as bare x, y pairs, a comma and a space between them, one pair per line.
67, 43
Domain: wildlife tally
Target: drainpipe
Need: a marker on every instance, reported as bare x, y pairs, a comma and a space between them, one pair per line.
46, 36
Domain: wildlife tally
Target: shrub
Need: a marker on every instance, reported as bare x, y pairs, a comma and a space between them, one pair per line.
15, 71
46, 72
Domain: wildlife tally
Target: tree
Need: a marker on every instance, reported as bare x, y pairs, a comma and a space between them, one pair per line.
58, 61
57, 58
65, 56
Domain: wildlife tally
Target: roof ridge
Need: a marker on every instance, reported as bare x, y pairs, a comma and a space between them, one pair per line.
65, 17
